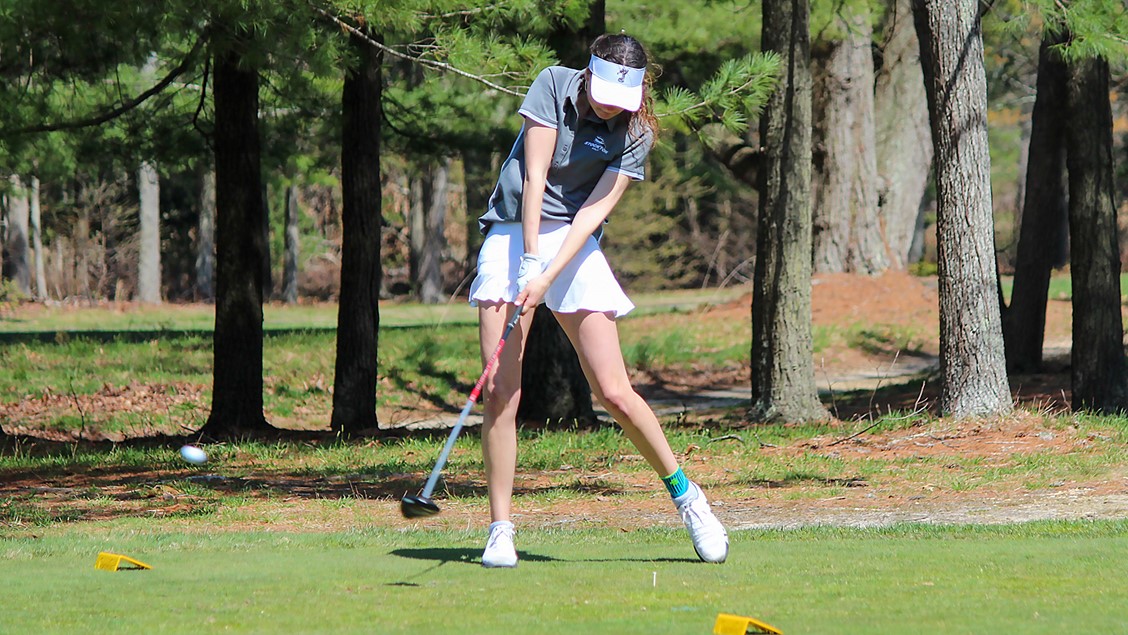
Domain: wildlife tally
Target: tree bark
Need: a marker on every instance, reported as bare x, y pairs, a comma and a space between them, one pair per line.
1045, 206
36, 224
205, 239
972, 362
846, 233
149, 258
290, 263
904, 140
427, 228
783, 376
358, 318
1098, 370
267, 275
479, 178
237, 406
17, 267
550, 370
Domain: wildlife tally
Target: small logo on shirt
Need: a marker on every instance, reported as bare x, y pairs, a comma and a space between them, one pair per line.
597, 144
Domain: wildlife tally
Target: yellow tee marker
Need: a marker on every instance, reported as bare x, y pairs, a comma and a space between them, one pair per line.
737, 625
113, 561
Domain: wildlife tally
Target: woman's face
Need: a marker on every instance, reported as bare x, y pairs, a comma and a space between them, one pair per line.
602, 111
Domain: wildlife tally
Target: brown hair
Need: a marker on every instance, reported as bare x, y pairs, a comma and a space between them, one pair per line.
621, 48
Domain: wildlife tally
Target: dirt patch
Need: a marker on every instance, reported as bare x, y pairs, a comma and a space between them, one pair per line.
928, 481
136, 403
936, 472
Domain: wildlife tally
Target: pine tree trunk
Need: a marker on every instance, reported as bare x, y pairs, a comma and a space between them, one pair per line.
783, 376
419, 193
972, 362
479, 178
290, 262
36, 223
1099, 370
904, 140
17, 266
205, 239
149, 258
267, 275
1046, 204
237, 405
430, 278
552, 374
358, 319
82, 249
846, 234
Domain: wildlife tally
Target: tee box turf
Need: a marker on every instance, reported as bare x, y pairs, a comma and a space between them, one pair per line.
737, 625
113, 562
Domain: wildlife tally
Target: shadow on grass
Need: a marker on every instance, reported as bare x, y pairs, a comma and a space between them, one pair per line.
405, 384
465, 555
794, 479
461, 555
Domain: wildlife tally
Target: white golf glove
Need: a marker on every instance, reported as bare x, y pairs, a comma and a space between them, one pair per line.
532, 266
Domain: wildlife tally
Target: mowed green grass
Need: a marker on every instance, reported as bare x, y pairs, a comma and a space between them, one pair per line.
1055, 577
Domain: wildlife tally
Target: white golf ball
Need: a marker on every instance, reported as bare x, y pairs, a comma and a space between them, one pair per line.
193, 454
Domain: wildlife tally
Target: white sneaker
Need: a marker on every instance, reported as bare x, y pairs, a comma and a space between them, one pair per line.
500, 551
710, 540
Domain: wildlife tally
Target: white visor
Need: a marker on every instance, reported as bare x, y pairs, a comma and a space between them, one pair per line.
616, 85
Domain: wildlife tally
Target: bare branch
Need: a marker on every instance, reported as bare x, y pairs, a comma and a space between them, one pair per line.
417, 60
458, 14
120, 110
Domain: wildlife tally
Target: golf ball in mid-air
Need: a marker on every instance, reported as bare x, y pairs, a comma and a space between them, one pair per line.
193, 454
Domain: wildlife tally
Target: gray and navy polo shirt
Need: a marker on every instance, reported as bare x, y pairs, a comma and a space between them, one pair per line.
586, 147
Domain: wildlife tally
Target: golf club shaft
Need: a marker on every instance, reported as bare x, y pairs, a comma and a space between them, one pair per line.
429, 488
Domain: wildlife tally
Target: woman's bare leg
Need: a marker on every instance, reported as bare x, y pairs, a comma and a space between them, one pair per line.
501, 396
595, 337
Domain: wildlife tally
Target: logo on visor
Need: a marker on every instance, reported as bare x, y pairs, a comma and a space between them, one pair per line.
623, 75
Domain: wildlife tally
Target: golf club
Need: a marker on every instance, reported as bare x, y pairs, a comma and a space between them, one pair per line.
422, 505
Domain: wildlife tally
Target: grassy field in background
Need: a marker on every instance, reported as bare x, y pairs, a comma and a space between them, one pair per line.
1031, 579
1061, 286
428, 358
276, 316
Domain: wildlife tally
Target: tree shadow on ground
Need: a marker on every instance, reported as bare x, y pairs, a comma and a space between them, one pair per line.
76, 493
405, 385
1048, 391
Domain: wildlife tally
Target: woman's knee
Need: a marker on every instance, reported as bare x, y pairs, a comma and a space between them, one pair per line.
619, 399
500, 396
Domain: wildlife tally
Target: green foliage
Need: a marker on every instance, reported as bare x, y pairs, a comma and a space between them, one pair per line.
1096, 28
737, 91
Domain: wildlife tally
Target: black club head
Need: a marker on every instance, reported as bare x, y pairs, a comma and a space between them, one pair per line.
418, 507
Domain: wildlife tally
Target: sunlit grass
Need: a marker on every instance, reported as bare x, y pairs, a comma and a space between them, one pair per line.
1030, 578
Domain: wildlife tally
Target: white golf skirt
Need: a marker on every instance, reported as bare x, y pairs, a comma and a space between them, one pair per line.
586, 284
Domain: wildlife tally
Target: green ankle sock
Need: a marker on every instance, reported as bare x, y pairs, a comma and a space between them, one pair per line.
676, 483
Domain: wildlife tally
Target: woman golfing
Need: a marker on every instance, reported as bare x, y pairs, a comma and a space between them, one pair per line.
585, 137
